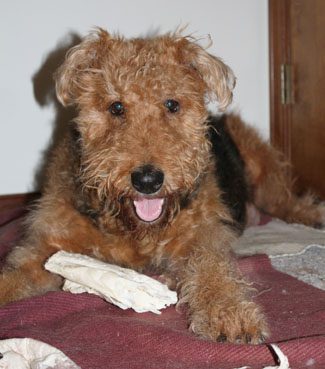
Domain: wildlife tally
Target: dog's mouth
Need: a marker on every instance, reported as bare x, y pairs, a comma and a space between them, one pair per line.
149, 209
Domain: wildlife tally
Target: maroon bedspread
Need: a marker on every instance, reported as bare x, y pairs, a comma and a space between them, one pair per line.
98, 335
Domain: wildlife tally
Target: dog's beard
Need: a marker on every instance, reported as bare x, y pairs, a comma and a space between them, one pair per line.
123, 210
142, 217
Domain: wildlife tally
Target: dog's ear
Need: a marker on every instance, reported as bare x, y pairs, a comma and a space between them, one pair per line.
218, 77
83, 59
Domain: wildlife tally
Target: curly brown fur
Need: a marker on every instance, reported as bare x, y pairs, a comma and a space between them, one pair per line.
92, 204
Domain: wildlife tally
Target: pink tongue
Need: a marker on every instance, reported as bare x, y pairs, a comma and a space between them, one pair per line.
148, 209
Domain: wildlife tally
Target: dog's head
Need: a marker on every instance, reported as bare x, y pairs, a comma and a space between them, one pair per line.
142, 118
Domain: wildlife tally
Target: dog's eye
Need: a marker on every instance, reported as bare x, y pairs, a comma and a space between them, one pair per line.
172, 105
116, 108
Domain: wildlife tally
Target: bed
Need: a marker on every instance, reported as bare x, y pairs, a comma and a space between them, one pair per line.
98, 335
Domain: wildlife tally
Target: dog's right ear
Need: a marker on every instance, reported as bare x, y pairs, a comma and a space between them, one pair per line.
83, 59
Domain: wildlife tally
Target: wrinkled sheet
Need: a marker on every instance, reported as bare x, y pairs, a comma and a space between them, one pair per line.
277, 237
97, 335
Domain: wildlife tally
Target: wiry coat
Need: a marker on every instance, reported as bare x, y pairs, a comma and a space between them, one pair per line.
211, 169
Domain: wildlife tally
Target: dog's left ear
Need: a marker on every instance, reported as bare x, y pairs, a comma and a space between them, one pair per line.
218, 77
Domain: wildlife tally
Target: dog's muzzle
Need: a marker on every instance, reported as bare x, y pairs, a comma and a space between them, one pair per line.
148, 180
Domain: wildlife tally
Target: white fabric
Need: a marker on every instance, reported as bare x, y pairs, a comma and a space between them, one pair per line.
278, 237
284, 362
27, 353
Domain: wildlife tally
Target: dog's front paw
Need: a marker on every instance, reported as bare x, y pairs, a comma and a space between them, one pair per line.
238, 323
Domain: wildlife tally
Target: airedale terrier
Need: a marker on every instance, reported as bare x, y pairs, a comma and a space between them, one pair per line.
146, 179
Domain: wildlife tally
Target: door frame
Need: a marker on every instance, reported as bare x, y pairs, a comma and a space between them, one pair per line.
280, 54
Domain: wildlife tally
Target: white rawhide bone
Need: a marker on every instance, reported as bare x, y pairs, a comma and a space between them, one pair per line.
122, 287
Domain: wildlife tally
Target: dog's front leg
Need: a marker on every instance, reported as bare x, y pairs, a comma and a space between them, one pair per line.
217, 297
27, 280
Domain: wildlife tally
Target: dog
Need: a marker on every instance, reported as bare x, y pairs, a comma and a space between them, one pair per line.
145, 178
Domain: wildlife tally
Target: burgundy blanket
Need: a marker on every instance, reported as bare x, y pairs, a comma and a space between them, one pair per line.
98, 335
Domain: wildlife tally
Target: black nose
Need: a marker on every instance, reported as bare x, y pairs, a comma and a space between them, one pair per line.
147, 179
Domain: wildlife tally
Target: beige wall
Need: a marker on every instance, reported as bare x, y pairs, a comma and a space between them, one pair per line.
30, 30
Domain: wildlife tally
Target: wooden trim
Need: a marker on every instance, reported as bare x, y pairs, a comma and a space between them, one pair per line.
280, 53
22, 198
